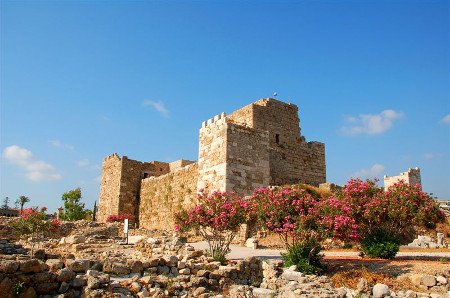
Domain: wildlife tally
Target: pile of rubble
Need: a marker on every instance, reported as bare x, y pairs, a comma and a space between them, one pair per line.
427, 242
176, 270
8, 248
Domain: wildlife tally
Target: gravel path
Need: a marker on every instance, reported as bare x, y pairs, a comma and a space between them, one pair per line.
239, 252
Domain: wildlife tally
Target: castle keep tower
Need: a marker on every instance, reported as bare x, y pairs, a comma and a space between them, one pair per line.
256, 146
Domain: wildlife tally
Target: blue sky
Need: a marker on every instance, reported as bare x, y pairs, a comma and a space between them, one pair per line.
83, 79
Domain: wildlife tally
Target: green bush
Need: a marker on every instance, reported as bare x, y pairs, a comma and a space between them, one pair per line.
380, 244
305, 255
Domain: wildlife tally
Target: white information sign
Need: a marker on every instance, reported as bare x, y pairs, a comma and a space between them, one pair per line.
125, 226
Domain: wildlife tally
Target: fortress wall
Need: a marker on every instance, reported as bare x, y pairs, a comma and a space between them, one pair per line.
212, 154
174, 165
247, 159
311, 161
243, 115
163, 196
119, 185
292, 159
109, 187
132, 174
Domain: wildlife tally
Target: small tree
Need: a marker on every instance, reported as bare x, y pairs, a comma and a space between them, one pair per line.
22, 201
217, 218
73, 209
5, 203
94, 212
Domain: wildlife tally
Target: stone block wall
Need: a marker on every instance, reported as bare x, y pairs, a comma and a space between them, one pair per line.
410, 177
161, 197
109, 187
212, 154
292, 159
120, 184
247, 159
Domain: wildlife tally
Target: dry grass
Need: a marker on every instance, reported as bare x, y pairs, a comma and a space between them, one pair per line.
351, 278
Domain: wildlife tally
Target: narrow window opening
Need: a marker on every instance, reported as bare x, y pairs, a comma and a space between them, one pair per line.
160, 169
145, 175
277, 138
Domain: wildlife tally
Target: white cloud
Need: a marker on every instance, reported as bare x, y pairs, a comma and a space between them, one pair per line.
58, 144
373, 172
98, 178
430, 156
446, 119
83, 163
371, 124
158, 106
35, 169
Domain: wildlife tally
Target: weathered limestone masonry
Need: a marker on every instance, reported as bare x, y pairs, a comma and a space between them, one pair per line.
411, 177
257, 145
291, 158
163, 196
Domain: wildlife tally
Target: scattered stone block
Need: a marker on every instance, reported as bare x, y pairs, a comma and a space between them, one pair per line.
380, 290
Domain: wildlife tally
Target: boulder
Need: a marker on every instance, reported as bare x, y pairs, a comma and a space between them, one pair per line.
6, 286
54, 264
119, 268
9, 266
251, 243
79, 265
263, 293
428, 280
65, 274
28, 293
200, 290
64, 287
32, 265
416, 279
291, 275
441, 280
380, 290
46, 288
74, 239
135, 266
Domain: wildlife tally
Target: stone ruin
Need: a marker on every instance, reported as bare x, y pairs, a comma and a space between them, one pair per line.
258, 145
410, 177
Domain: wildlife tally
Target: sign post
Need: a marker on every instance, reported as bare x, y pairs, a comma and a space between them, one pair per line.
125, 229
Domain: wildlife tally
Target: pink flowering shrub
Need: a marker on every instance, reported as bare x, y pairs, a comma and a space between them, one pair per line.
287, 211
296, 214
217, 217
395, 211
302, 218
119, 217
33, 221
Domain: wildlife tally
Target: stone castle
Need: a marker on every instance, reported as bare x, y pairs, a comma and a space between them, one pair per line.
410, 177
255, 146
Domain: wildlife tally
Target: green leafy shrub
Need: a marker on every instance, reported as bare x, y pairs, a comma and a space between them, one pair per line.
305, 254
381, 243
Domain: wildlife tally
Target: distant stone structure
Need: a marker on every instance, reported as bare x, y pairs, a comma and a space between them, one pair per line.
256, 146
410, 177
9, 212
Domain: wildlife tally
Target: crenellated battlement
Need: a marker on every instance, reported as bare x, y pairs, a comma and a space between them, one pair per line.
112, 156
215, 121
255, 146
